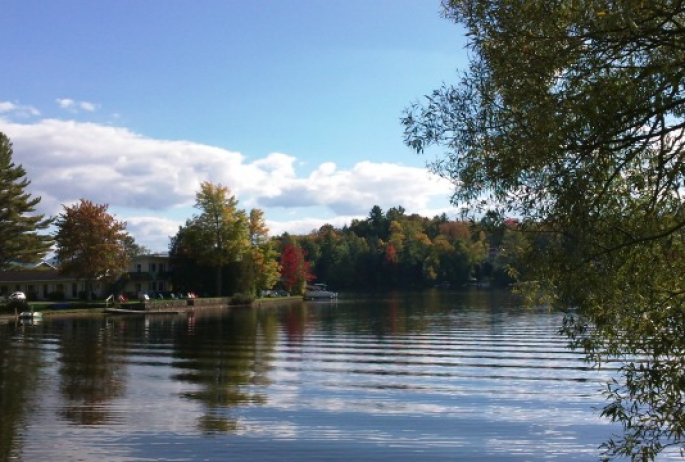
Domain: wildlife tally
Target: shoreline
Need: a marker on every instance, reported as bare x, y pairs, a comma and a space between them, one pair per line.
152, 307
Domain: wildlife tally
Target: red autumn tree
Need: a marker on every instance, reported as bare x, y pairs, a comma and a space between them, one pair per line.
391, 254
295, 272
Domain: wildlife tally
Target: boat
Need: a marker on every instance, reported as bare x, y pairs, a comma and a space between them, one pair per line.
33, 315
319, 292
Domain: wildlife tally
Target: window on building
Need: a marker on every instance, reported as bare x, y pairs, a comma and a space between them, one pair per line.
153, 268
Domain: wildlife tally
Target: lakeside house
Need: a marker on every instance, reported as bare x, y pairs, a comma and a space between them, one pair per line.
146, 274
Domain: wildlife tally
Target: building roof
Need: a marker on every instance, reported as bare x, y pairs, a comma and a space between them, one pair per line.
48, 275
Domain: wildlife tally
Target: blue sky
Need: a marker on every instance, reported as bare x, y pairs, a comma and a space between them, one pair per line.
294, 105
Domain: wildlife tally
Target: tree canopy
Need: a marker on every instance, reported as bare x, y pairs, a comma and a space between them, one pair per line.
20, 240
395, 251
571, 116
91, 244
259, 266
223, 239
217, 235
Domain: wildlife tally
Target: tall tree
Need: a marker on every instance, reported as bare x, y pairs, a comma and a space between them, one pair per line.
219, 235
572, 116
20, 240
91, 244
259, 268
188, 275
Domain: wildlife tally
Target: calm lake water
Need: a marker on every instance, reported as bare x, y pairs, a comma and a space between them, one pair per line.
431, 376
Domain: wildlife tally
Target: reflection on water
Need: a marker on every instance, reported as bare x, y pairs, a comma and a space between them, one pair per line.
430, 376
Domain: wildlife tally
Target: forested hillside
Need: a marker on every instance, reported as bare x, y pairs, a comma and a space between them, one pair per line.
393, 250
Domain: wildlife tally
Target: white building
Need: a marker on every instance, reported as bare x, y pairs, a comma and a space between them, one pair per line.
146, 274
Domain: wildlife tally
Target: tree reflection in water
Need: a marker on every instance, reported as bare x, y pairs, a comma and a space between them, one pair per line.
91, 373
231, 371
19, 373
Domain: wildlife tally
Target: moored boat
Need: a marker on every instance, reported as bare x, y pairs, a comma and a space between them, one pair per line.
31, 315
319, 292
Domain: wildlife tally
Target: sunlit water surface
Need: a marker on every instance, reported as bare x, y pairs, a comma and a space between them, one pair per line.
431, 376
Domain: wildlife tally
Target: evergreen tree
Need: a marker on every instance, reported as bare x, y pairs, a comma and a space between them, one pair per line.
20, 240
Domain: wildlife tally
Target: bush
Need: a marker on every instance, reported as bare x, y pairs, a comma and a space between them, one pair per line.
56, 296
131, 295
241, 299
16, 305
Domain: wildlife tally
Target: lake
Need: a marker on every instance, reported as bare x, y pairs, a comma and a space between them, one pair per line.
437, 375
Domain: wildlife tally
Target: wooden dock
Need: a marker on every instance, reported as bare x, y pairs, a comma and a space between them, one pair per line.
144, 312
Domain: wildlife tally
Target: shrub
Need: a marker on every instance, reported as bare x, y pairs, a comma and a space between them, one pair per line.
17, 305
241, 299
56, 296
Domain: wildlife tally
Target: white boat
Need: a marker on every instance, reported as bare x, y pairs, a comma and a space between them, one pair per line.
319, 292
320, 295
35, 315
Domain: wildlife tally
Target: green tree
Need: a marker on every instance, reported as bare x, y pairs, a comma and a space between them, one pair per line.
219, 235
91, 244
571, 116
134, 249
188, 275
259, 267
20, 240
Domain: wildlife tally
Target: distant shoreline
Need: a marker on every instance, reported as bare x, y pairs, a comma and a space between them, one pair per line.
153, 306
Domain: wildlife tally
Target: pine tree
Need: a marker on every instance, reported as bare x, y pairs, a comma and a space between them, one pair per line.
20, 240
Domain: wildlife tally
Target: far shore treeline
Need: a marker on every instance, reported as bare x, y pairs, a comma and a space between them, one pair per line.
396, 250
386, 250
224, 250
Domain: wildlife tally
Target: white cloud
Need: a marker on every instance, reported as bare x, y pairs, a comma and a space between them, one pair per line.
306, 225
87, 106
65, 103
355, 191
76, 106
152, 232
151, 184
7, 107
